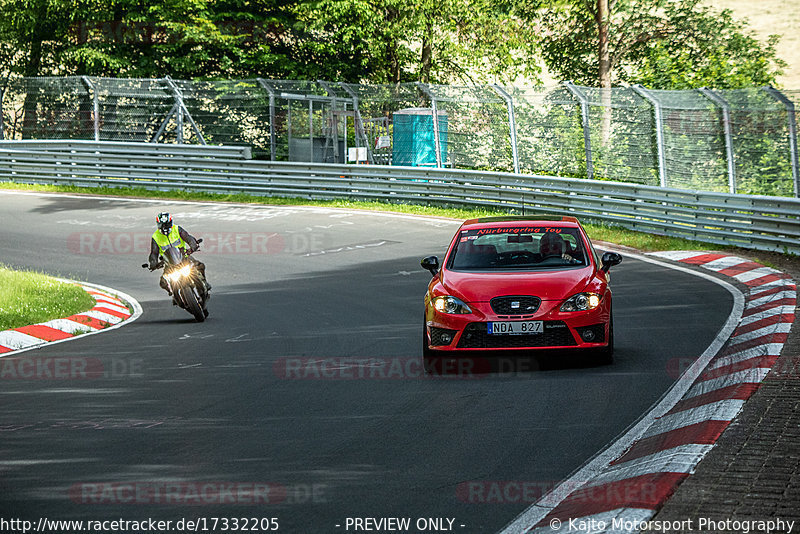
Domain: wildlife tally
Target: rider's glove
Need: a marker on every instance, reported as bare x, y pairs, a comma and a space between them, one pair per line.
153, 265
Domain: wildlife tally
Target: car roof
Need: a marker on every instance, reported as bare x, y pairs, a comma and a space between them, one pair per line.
496, 222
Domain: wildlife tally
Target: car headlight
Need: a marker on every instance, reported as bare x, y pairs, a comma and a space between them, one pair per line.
449, 304
183, 272
581, 302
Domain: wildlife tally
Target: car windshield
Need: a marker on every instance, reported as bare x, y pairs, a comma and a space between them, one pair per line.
518, 249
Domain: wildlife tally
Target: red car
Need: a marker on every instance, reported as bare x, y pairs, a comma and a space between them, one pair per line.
511, 283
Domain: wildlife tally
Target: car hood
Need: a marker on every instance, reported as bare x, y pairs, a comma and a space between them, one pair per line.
547, 285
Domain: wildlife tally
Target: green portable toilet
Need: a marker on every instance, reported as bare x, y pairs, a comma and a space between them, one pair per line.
413, 140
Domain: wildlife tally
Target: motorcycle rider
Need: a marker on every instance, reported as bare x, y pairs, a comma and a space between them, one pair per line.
172, 234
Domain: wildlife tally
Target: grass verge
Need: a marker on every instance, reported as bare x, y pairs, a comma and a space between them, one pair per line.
645, 242
27, 297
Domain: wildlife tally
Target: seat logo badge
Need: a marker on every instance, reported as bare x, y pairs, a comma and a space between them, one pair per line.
515, 305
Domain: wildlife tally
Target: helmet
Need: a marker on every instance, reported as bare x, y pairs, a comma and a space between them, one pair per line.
164, 222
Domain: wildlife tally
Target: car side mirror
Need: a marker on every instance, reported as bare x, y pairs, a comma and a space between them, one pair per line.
610, 259
431, 263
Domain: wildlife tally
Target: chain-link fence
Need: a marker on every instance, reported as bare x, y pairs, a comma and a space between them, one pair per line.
742, 141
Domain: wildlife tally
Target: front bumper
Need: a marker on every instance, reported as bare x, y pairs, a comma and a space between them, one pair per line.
468, 332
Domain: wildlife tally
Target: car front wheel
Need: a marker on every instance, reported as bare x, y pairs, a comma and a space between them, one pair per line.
606, 354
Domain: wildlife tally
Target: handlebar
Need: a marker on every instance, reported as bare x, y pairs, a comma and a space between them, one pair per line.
160, 263
190, 251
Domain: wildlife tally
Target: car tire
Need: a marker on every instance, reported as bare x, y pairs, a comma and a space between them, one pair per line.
429, 356
606, 354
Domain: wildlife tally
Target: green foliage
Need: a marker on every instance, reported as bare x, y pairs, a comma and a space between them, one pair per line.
342, 40
659, 43
550, 139
662, 44
718, 53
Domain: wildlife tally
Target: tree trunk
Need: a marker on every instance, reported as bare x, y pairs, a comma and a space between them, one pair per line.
30, 118
394, 67
427, 53
392, 14
604, 57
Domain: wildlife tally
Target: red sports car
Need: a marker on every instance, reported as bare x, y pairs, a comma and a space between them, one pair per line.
511, 283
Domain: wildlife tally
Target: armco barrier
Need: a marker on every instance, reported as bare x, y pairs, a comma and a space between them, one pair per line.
77, 146
763, 223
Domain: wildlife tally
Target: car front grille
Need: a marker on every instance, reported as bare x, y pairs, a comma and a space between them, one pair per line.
515, 305
555, 334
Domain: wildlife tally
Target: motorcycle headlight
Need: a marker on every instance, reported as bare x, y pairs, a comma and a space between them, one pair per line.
581, 302
177, 274
448, 304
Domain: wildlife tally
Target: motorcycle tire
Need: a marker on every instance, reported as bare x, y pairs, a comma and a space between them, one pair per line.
192, 304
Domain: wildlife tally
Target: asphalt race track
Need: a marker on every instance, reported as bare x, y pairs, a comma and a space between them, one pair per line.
271, 398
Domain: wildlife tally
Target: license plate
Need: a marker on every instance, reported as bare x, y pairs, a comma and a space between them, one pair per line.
511, 328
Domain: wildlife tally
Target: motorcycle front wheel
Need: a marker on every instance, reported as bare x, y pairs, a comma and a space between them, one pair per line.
192, 303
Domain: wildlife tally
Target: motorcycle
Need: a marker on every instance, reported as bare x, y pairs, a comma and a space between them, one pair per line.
184, 280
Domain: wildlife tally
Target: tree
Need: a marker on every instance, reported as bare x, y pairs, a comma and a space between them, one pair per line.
646, 38
720, 54
34, 30
385, 41
438, 41
148, 38
186, 39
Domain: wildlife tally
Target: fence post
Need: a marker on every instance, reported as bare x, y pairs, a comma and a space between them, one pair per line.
334, 124
792, 120
181, 112
272, 140
311, 130
726, 123
163, 125
587, 140
2, 127
95, 106
659, 120
512, 124
358, 124
438, 148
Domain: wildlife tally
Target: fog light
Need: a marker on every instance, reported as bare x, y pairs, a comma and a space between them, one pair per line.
441, 336
593, 334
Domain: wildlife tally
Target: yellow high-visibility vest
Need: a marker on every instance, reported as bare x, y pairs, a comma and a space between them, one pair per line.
172, 239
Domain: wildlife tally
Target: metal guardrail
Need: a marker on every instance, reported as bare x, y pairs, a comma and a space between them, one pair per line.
128, 148
734, 140
763, 223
